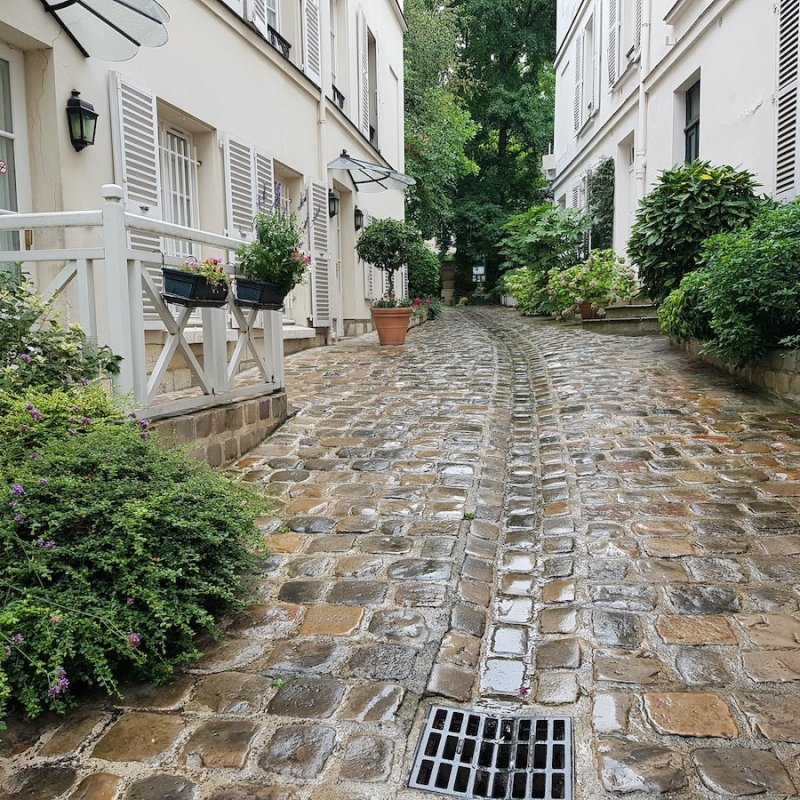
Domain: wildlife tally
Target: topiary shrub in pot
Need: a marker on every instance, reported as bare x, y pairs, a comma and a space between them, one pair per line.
389, 244
687, 205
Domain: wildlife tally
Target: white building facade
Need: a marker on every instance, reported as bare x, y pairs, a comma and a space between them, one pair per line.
245, 105
654, 83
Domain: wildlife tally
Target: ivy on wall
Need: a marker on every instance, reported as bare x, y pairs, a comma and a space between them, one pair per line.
600, 204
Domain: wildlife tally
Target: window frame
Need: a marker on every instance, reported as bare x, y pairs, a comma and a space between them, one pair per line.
691, 129
188, 164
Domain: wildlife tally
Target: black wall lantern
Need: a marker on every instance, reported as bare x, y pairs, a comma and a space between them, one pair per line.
358, 219
333, 204
82, 119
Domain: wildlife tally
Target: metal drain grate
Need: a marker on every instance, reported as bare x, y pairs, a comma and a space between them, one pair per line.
471, 754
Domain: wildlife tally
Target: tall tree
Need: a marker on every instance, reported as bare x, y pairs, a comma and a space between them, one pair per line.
438, 124
508, 49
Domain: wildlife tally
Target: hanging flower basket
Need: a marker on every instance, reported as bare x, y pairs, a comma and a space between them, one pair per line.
250, 293
193, 289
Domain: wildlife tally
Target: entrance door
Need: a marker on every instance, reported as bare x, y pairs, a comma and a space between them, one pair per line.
336, 257
13, 145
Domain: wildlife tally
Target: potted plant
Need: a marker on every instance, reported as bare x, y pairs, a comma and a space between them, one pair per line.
197, 283
388, 244
587, 288
273, 264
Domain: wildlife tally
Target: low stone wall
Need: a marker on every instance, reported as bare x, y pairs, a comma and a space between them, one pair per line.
777, 374
220, 435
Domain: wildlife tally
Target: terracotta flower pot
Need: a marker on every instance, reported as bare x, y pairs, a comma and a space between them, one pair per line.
587, 311
391, 324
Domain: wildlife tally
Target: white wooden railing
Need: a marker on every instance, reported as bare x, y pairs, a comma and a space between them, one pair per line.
122, 277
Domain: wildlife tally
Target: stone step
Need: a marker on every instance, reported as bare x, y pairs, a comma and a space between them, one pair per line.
624, 326
630, 311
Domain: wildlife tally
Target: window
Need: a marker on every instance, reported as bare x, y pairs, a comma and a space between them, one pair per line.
334, 52
586, 75
273, 19
373, 91
12, 146
178, 185
691, 132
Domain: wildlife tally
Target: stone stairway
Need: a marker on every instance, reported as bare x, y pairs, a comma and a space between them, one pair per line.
628, 319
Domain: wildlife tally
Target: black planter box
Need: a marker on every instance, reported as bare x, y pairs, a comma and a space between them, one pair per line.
258, 294
191, 289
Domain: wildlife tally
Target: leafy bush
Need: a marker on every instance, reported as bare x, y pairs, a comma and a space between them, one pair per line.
35, 349
752, 295
114, 553
522, 285
688, 204
389, 244
602, 279
424, 273
681, 314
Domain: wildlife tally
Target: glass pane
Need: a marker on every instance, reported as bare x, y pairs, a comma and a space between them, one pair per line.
6, 121
8, 176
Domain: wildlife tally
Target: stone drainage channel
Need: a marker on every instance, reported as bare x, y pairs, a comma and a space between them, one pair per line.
504, 519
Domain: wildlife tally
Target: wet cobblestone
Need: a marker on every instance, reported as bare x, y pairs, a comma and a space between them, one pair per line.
506, 512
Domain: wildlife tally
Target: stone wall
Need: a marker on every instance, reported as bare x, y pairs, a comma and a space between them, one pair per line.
220, 435
777, 374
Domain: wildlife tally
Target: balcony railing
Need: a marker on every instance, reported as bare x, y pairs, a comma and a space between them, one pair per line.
278, 42
126, 278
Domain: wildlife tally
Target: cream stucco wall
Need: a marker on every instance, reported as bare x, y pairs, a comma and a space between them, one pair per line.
729, 45
216, 75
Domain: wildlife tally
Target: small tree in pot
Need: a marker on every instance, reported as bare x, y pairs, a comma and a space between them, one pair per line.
389, 244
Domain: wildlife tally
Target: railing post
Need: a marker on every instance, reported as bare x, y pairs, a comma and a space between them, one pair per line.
215, 349
115, 243
273, 334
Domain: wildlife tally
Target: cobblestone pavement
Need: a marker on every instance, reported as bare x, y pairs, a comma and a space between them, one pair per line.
507, 513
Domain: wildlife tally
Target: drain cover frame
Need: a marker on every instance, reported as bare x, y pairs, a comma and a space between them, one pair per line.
482, 754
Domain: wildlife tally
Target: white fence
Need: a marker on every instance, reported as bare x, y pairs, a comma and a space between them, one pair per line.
110, 285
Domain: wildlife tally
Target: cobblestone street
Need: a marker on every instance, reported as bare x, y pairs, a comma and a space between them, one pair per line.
505, 513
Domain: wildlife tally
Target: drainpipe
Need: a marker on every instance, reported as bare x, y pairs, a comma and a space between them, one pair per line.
641, 127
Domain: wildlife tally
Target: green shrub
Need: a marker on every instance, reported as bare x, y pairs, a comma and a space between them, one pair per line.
388, 244
524, 287
687, 205
681, 314
602, 279
424, 273
114, 554
35, 349
753, 290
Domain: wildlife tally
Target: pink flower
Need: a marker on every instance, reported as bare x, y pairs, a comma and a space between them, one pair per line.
134, 640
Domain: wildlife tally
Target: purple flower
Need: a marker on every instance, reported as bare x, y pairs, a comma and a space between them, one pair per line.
29, 406
76, 409
17, 489
43, 481
24, 427
35, 456
144, 424
71, 431
17, 638
61, 685
72, 419
6, 649
47, 544
85, 381
134, 640
86, 421
25, 358
35, 413
129, 601
19, 518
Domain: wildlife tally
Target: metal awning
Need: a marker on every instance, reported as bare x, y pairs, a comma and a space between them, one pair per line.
112, 30
369, 177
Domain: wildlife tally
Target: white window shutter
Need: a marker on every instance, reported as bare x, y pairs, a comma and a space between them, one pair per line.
595, 55
312, 41
257, 14
320, 256
363, 73
235, 5
613, 41
576, 196
240, 186
265, 182
578, 100
404, 281
637, 24
786, 161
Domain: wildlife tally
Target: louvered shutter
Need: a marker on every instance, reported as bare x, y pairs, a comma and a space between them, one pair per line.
320, 257
240, 186
578, 101
613, 39
363, 73
235, 5
786, 172
404, 282
257, 14
265, 183
595, 55
312, 41
137, 167
575, 196
637, 24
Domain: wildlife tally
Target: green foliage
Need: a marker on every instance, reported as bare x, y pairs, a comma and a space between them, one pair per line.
603, 278
424, 273
388, 244
275, 255
681, 315
437, 123
688, 204
114, 554
211, 269
524, 287
752, 292
35, 349
601, 204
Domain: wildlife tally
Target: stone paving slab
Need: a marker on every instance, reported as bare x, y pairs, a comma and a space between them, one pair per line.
505, 512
